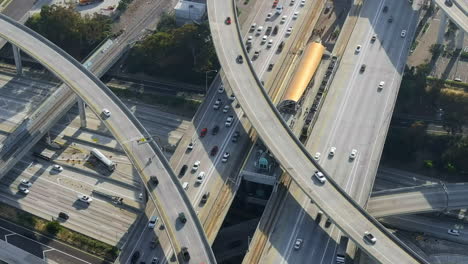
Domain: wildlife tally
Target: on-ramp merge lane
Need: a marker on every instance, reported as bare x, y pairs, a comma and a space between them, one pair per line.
351, 218
147, 158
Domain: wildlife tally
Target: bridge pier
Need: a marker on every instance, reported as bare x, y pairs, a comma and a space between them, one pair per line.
442, 26
459, 41
17, 56
81, 109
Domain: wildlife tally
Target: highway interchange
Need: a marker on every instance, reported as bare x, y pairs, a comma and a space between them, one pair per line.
391, 70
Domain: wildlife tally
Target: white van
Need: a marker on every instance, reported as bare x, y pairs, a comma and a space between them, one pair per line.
185, 185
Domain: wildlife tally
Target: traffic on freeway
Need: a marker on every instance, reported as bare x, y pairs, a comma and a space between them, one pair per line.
288, 152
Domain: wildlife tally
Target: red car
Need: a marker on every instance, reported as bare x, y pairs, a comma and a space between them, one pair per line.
214, 150
228, 21
203, 132
275, 3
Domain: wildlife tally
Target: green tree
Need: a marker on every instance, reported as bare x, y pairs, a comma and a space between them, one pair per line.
65, 27
53, 227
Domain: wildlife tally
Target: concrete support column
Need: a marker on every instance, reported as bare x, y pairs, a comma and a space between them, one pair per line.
459, 41
17, 56
81, 108
442, 26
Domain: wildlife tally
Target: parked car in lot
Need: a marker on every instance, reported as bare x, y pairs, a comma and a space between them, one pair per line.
226, 108
85, 198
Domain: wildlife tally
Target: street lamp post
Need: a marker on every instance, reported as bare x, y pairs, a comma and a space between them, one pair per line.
206, 79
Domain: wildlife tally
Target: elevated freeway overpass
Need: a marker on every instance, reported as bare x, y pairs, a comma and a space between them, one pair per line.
419, 199
293, 157
147, 158
457, 12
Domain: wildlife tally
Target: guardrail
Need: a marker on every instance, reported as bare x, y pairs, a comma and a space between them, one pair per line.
135, 121
309, 157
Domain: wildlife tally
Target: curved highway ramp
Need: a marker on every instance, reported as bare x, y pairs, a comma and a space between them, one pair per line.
147, 158
293, 157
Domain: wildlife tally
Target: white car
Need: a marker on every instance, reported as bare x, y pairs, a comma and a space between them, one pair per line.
249, 40
253, 26
196, 165
358, 49
190, 146
302, 2
217, 104
264, 39
229, 121
23, 189
320, 177
269, 15
26, 183
332, 151
317, 156
225, 157
57, 167
353, 154
201, 177
298, 244
283, 19
226, 108
259, 30
296, 15
369, 238
232, 97
453, 232
85, 198
381, 85
270, 43
289, 31
106, 112
403, 33
279, 9
221, 89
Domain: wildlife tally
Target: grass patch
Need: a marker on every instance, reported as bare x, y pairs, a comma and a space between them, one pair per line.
426, 26
414, 45
57, 231
463, 85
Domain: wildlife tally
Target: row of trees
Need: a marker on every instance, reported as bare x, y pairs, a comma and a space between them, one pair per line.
78, 35
184, 53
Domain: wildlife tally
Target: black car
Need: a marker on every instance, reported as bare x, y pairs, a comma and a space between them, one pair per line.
268, 31
390, 19
363, 68
183, 170
275, 30
280, 47
270, 66
155, 180
63, 215
239, 59
328, 223
135, 257
185, 253
385, 9
205, 197
236, 136
215, 130
448, 2
182, 218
